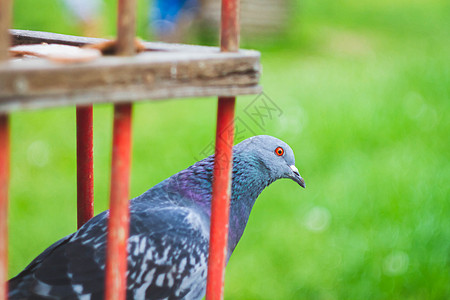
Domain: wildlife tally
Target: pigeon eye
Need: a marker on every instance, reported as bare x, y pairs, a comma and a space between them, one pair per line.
279, 151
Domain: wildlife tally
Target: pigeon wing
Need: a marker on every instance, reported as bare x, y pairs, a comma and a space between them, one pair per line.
167, 258
170, 262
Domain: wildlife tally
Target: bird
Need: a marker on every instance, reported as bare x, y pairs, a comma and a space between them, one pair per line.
169, 232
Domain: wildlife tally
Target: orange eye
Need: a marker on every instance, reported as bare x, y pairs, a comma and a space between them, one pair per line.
279, 151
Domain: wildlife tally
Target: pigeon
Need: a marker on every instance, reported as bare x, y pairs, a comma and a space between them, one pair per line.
169, 232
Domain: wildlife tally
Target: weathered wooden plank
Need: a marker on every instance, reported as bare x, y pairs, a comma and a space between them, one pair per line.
56, 52
23, 37
38, 83
26, 37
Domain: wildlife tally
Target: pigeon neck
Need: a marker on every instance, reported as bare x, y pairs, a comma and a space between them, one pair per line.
250, 177
193, 186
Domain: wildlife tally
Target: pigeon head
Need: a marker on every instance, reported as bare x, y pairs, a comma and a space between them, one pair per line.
274, 156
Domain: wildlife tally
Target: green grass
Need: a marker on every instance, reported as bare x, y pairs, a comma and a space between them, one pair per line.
364, 90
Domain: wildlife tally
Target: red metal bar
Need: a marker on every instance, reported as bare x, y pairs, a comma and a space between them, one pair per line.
229, 28
5, 21
118, 224
85, 165
221, 193
4, 180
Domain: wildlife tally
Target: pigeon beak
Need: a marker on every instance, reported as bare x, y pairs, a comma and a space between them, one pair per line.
296, 176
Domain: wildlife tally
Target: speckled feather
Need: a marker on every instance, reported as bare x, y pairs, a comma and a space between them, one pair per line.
169, 233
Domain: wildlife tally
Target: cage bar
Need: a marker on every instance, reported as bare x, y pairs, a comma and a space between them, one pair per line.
118, 228
118, 225
221, 193
229, 27
4, 181
5, 21
85, 165
126, 27
223, 163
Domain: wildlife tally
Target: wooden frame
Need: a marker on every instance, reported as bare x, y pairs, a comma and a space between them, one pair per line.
163, 71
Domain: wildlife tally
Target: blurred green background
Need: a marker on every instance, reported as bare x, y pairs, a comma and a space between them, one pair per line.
364, 91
